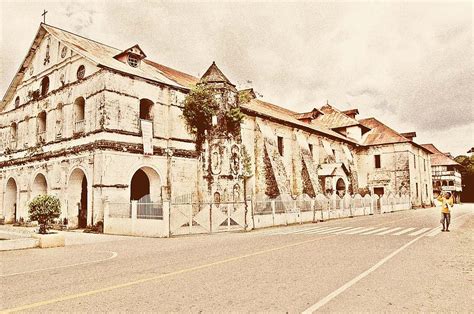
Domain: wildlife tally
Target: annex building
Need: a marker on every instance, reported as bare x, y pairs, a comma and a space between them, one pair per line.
102, 127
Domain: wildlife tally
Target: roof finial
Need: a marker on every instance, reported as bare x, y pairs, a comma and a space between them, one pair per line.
327, 102
44, 16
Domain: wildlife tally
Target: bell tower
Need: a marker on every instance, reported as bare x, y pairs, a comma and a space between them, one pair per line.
222, 169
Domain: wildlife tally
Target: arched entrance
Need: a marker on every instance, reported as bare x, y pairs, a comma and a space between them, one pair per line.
11, 196
40, 186
145, 186
340, 187
77, 198
145, 189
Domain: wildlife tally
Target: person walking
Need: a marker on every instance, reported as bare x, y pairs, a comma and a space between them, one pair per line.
446, 206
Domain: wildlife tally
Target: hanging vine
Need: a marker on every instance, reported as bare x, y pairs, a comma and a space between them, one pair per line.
199, 107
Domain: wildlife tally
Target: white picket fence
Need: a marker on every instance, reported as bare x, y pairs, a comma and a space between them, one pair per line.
285, 210
166, 218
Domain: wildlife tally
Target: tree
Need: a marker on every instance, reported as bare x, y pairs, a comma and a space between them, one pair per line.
467, 173
199, 107
43, 209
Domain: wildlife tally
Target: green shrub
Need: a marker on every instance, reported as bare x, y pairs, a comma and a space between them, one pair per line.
44, 209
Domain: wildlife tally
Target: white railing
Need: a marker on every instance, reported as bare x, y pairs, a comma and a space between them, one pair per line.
149, 210
79, 126
285, 210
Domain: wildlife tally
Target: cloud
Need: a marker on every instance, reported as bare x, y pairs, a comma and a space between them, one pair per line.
409, 64
80, 16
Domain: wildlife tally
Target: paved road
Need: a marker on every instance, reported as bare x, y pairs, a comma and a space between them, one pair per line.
394, 262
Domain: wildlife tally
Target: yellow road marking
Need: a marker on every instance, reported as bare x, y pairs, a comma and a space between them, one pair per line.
162, 276
174, 273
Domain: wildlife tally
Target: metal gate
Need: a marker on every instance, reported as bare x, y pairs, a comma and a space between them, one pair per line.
194, 218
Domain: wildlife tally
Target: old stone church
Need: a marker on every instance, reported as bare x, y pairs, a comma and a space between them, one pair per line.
88, 123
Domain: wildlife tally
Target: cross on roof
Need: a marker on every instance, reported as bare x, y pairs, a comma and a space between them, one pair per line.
44, 16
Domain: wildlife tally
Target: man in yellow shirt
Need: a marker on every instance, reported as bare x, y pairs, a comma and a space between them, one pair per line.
446, 205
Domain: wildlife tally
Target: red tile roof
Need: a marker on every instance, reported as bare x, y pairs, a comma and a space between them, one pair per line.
333, 118
439, 158
380, 133
273, 111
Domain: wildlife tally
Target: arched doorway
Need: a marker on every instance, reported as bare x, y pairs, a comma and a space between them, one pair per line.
140, 187
40, 186
145, 185
77, 198
145, 189
340, 187
11, 196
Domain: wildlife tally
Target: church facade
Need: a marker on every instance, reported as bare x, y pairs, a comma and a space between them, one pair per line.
91, 124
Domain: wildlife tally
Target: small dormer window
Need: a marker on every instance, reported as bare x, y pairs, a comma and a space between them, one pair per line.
133, 60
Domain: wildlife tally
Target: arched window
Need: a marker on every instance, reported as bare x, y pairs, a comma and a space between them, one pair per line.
81, 72
146, 109
17, 101
341, 187
451, 183
44, 86
41, 127
79, 114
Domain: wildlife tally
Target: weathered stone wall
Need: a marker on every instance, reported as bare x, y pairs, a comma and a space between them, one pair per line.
108, 175
253, 140
397, 173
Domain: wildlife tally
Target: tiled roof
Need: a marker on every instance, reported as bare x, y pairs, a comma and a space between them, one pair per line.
286, 115
380, 133
214, 74
333, 118
439, 158
104, 55
313, 114
175, 75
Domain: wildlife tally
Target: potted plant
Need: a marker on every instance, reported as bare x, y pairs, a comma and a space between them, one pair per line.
44, 209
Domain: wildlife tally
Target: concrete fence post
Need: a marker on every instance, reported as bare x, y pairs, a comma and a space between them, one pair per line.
134, 210
106, 206
273, 212
166, 218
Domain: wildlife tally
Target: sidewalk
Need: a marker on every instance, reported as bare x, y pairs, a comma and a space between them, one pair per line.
16, 238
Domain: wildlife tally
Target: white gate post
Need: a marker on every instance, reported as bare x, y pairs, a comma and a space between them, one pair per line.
106, 206
273, 212
166, 218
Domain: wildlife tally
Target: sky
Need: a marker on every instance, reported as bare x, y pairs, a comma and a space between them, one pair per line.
408, 64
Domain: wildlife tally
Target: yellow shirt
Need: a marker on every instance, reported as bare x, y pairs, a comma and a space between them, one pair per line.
445, 202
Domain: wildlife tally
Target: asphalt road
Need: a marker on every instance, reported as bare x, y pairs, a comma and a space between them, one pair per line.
391, 263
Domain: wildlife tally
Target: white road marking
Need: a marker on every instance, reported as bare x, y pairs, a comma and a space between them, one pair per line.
330, 231
375, 231
389, 231
419, 232
324, 230
403, 231
305, 230
351, 229
361, 230
434, 232
319, 230
114, 255
350, 283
